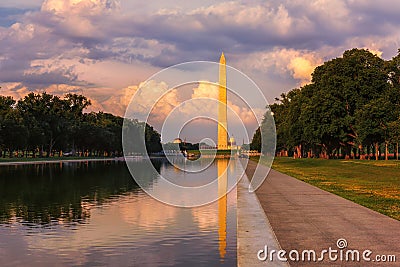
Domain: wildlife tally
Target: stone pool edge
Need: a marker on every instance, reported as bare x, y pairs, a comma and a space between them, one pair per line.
254, 230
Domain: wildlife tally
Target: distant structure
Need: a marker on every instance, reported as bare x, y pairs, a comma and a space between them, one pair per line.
232, 144
222, 107
177, 141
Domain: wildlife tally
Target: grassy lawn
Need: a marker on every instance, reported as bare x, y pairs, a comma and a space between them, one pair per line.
373, 184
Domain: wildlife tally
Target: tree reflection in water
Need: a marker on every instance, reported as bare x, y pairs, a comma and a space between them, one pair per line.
41, 194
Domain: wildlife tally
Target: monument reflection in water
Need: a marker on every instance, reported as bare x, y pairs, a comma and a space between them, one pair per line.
92, 213
222, 166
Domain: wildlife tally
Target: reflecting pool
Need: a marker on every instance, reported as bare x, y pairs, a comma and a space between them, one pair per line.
94, 214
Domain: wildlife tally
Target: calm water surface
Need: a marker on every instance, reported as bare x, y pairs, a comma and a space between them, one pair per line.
93, 214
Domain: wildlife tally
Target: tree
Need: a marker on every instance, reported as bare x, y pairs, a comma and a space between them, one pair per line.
152, 140
373, 124
46, 114
256, 141
12, 130
6, 106
74, 107
394, 130
289, 128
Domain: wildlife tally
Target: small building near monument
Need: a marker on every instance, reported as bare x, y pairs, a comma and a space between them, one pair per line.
177, 141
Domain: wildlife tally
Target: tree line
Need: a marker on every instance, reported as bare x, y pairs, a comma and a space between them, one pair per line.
351, 109
44, 125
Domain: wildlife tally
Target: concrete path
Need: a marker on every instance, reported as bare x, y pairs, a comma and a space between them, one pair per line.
304, 217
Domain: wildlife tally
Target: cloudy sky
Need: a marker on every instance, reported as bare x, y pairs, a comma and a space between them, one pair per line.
105, 49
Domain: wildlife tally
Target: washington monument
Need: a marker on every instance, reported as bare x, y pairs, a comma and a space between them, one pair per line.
222, 106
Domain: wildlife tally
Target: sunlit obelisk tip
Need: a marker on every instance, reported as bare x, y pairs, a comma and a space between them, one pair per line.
222, 58
222, 108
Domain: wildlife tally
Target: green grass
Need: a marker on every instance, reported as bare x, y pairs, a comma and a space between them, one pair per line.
373, 184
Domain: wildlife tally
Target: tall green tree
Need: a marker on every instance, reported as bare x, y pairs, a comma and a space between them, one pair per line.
46, 114
13, 133
256, 140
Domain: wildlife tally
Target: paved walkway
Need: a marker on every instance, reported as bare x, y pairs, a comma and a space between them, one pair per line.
304, 217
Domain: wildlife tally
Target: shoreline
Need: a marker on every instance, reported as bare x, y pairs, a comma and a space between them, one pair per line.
49, 161
28, 161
